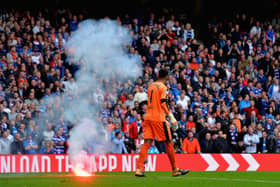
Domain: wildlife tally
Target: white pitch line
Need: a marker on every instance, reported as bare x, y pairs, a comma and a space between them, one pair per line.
225, 179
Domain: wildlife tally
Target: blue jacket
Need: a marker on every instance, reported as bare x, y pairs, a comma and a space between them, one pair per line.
244, 104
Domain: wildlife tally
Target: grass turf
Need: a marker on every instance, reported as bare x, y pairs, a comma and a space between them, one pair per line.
200, 179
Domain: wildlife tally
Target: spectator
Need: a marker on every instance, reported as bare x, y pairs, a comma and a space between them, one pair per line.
116, 118
190, 144
140, 96
177, 148
251, 140
278, 143
13, 128
47, 148
256, 30
48, 133
245, 103
263, 145
5, 143
118, 144
207, 144
183, 100
241, 147
176, 139
233, 138
190, 123
269, 34
220, 144
251, 109
117, 128
273, 89
17, 145
32, 99
129, 143
30, 146
139, 142
59, 141
153, 149
272, 139
129, 102
188, 33
269, 125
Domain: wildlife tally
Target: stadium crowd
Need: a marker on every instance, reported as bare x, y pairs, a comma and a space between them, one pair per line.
224, 92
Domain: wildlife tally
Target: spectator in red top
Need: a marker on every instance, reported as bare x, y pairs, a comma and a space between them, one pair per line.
133, 130
124, 123
22, 78
250, 109
190, 144
190, 122
12, 55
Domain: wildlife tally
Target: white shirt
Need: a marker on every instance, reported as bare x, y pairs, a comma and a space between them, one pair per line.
129, 103
5, 146
211, 120
256, 30
169, 24
140, 97
228, 73
155, 47
275, 91
47, 135
36, 59
249, 140
251, 47
36, 29
70, 86
11, 137
184, 102
184, 47
277, 96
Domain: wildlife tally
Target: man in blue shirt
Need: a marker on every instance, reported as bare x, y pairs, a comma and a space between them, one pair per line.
245, 103
118, 144
30, 146
153, 149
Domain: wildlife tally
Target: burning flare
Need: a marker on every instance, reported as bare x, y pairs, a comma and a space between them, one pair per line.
81, 165
80, 171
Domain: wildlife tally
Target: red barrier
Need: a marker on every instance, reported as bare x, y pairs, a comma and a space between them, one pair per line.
156, 162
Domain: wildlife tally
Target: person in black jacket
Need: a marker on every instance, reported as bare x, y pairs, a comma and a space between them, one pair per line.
263, 145
207, 144
272, 141
129, 143
232, 138
265, 65
17, 145
240, 147
220, 144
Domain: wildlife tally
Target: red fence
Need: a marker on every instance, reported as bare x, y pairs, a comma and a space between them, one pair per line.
156, 162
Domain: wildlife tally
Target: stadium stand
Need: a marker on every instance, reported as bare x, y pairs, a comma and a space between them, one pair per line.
224, 89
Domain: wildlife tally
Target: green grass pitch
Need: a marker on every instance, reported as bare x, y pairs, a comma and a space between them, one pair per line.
157, 179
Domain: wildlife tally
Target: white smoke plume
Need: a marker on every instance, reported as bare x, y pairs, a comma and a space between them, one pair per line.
100, 50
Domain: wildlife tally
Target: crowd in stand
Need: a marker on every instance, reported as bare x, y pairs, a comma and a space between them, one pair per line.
224, 92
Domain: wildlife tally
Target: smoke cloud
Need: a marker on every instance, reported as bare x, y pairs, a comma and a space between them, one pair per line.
100, 50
